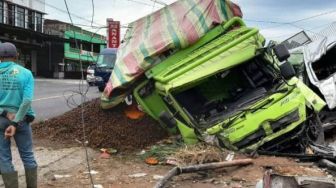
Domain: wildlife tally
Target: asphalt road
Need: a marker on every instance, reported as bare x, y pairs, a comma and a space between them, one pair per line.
50, 96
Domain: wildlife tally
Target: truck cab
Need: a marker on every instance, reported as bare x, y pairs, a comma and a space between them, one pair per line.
229, 90
104, 67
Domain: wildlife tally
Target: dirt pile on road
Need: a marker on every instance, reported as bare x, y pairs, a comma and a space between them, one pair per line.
104, 129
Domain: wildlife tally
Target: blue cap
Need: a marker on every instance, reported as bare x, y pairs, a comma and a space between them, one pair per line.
7, 50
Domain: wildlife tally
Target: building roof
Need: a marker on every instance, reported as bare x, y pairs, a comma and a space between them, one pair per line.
4, 28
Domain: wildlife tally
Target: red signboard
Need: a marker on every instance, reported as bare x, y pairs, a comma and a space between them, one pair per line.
113, 33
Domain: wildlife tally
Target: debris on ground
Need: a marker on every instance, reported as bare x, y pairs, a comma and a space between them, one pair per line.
198, 154
202, 167
104, 129
161, 151
111, 129
92, 172
57, 176
137, 175
271, 180
157, 177
104, 154
109, 150
152, 161
114, 173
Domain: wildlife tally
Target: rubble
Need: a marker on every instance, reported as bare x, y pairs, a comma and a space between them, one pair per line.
57, 176
198, 154
272, 180
202, 167
137, 175
104, 129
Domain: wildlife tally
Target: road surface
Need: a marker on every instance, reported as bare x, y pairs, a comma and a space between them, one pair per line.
50, 96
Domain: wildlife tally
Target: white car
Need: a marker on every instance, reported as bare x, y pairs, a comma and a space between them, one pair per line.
90, 77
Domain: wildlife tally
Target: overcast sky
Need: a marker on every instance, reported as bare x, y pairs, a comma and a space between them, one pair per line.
269, 16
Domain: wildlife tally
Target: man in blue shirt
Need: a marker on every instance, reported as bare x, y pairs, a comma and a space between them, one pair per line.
16, 114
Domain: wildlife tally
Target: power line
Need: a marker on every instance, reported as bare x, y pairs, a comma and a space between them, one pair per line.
140, 2
83, 98
159, 2
93, 11
97, 25
65, 12
291, 22
154, 2
315, 16
293, 33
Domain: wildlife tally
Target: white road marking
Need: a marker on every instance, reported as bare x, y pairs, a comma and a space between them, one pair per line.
52, 97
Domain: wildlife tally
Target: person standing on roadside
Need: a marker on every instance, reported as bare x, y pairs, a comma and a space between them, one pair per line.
16, 114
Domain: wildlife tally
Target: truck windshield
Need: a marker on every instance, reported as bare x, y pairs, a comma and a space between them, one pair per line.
106, 61
224, 94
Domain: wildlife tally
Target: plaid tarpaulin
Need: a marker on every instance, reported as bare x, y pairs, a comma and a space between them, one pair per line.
171, 28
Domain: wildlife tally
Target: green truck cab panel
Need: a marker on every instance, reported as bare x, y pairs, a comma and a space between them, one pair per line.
312, 99
151, 102
214, 36
255, 127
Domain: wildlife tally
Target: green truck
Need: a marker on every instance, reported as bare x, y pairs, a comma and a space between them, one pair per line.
230, 90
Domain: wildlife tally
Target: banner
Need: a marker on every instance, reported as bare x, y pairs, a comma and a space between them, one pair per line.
113, 33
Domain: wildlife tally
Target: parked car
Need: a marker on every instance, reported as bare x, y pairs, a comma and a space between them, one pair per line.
230, 90
90, 77
104, 67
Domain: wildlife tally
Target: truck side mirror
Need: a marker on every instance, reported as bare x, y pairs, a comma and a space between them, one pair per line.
167, 119
287, 70
281, 52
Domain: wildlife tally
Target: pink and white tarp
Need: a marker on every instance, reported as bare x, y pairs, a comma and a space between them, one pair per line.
173, 27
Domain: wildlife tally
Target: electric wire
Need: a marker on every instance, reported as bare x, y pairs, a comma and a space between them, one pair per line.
93, 12
154, 2
97, 25
164, 4
89, 21
140, 2
65, 12
291, 22
293, 33
159, 2
83, 95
